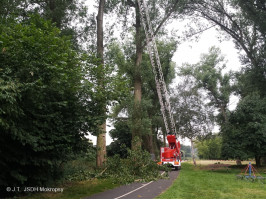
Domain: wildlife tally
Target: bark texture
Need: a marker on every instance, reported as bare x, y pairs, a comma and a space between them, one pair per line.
136, 132
193, 153
101, 138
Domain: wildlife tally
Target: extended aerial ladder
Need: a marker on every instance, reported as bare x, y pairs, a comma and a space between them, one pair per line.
169, 155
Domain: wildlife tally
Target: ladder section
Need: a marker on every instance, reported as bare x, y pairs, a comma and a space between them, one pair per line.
162, 92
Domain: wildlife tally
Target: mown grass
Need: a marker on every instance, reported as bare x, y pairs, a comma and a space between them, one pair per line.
201, 183
76, 190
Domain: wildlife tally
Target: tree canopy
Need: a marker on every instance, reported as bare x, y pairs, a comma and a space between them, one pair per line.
44, 115
245, 136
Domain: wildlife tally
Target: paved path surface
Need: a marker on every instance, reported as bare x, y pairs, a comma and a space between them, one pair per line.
138, 190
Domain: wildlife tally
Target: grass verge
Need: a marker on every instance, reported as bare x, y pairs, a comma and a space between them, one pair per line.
201, 183
76, 190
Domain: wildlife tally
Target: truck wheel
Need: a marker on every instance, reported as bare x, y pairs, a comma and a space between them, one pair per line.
176, 168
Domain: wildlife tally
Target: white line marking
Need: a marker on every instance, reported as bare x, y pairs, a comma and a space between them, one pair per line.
136, 189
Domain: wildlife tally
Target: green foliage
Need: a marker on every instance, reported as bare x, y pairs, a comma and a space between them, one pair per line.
110, 86
254, 12
160, 12
209, 77
252, 77
146, 116
122, 139
242, 21
245, 136
209, 148
44, 112
81, 168
186, 151
138, 166
8, 9
194, 118
64, 14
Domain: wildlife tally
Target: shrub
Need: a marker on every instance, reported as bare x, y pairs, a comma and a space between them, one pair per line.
138, 166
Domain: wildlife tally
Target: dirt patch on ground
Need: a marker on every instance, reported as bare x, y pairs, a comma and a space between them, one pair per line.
216, 166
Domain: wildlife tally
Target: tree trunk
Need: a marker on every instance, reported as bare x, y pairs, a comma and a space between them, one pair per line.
238, 162
223, 110
263, 161
101, 138
101, 146
164, 138
136, 132
257, 159
155, 145
193, 153
151, 143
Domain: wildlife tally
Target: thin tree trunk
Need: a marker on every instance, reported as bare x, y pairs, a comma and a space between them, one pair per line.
101, 138
164, 138
257, 159
193, 153
223, 110
155, 144
151, 143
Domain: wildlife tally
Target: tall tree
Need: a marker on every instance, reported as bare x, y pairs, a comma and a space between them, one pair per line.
160, 12
101, 138
209, 77
193, 117
150, 107
245, 137
166, 51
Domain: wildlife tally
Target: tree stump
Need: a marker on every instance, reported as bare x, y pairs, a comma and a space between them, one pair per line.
238, 162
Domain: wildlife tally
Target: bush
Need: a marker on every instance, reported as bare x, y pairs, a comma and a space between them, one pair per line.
42, 116
82, 168
138, 166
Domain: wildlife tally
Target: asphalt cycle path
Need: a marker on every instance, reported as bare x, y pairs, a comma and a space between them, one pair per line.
138, 190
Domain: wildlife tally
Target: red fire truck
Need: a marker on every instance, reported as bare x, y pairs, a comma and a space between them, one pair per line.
171, 155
